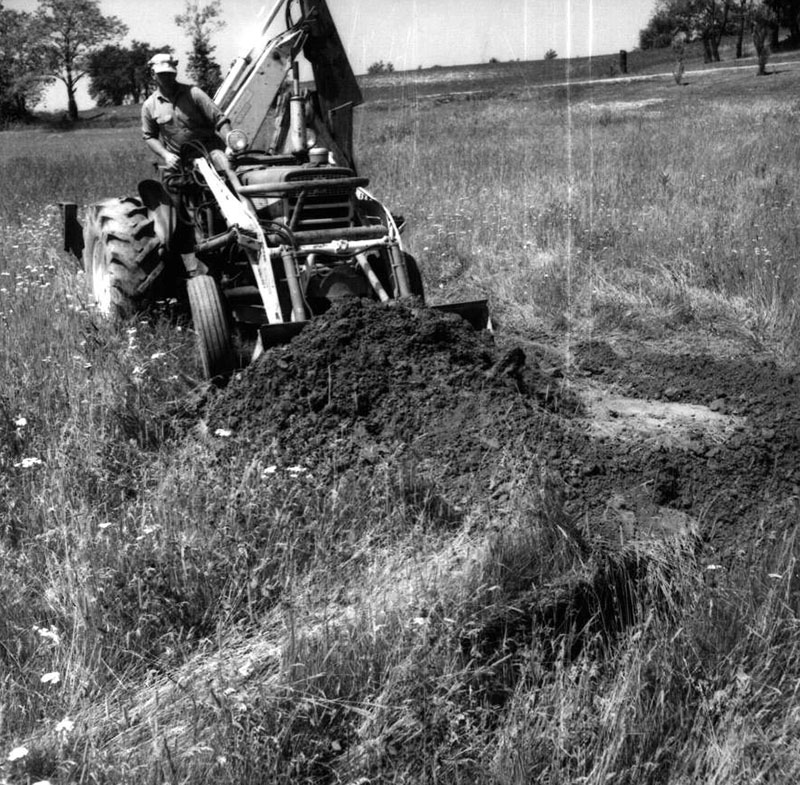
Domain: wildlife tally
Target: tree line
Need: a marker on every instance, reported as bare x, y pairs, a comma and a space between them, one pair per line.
708, 21
69, 40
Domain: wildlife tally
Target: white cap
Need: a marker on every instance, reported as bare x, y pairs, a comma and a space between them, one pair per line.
164, 63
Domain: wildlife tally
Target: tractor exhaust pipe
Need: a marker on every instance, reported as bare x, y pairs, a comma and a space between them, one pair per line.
297, 115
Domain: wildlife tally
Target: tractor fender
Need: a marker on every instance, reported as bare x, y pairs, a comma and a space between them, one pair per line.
161, 208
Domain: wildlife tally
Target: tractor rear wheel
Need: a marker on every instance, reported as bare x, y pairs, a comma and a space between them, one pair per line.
122, 257
211, 325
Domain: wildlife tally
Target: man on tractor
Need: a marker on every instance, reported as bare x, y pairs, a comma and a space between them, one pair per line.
177, 114
174, 118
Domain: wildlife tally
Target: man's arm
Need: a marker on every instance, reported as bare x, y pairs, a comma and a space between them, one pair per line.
151, 139
170, 159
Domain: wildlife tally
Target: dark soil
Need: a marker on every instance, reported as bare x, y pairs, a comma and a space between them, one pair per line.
740, 489
366, 386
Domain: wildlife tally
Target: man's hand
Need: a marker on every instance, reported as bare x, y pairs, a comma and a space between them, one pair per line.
171, 160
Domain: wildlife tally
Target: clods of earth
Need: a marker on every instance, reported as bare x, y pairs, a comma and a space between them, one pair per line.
636, 438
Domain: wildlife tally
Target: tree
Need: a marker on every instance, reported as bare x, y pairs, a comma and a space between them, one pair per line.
20, 64
762, 20
119, 73
712, 18
70, 30
660, 30
380, 67
679, 50
704, 20
110, 72
786, 14
199, 22
550, 54
741, 15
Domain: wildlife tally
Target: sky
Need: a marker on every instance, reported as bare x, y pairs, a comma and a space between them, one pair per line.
407, 33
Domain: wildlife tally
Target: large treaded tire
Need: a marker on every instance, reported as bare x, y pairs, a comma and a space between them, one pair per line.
122, 257
210, 318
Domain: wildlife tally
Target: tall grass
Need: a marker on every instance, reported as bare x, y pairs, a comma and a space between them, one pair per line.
570, 203
174, 609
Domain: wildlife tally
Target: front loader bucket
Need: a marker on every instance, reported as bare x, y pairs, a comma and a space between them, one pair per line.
273, 335
476, 312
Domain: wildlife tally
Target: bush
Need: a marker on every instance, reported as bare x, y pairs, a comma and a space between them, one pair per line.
380, 67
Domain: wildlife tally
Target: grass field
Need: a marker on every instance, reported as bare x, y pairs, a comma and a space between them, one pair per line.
150, 633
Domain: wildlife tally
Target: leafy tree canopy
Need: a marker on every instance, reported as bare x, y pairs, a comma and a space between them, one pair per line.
660, 30
119, 74
21, 62
70, 30
704, 20
199, 23
786, 13
380, 67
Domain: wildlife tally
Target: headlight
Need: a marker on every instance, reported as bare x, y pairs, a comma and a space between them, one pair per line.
237, 141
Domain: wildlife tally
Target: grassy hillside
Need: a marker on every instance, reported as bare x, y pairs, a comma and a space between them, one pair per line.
179, 607
516, 78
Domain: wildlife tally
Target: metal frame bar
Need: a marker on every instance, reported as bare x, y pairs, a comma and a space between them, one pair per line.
239, 213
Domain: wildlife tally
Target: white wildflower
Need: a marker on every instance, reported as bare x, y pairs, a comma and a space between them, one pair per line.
65, 726
27, 463
49, 633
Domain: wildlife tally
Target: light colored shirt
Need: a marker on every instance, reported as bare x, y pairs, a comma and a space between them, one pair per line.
191, 116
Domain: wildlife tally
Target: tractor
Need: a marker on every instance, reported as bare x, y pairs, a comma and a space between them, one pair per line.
283, 224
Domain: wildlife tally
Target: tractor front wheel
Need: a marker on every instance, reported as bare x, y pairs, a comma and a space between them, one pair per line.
211, 325
414, 277
122, 257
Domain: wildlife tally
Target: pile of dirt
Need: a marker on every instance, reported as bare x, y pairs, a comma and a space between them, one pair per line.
637, 440
366, 384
